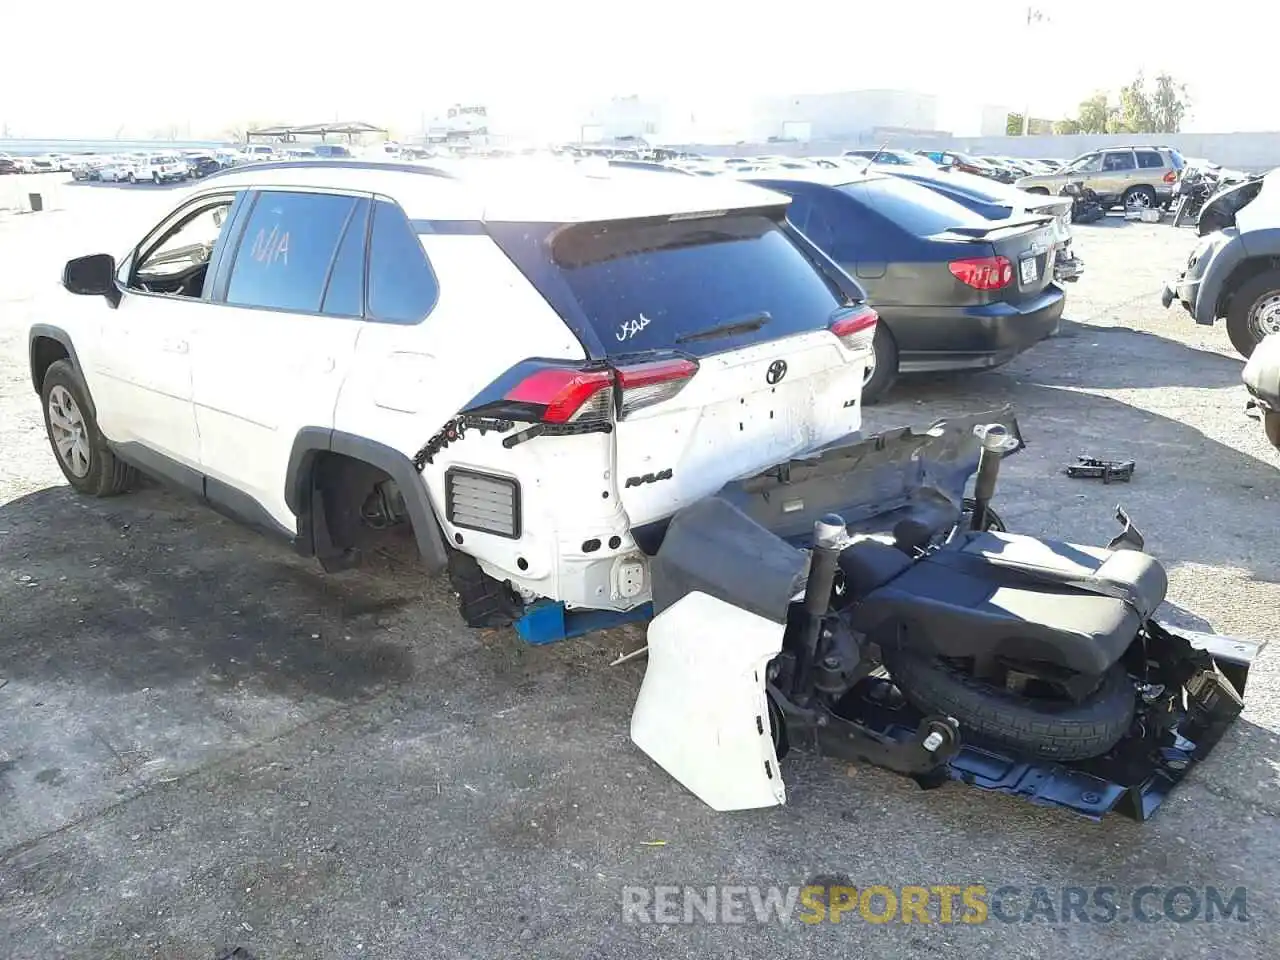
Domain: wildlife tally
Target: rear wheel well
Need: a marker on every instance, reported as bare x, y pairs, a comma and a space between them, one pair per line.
352, 508
1244, 271
45, 352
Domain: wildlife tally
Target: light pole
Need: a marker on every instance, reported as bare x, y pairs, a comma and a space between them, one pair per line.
1034, 15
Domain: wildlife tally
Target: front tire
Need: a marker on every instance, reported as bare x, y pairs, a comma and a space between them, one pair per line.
78, 446
1254, 312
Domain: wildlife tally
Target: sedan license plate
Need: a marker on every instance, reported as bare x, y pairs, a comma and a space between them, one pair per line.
1028, 271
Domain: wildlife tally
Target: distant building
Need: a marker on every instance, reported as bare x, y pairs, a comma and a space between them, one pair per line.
460, 123
846, 115
623, 117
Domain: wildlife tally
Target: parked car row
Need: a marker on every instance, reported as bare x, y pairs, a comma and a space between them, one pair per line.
153, 167
49, 163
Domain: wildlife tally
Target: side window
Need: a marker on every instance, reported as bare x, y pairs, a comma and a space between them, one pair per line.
176, 262
344, 294
402, 286
1090, 163
1149, 160
286, 250
1120, 160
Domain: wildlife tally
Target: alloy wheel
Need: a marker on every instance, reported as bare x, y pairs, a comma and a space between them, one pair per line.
70, 433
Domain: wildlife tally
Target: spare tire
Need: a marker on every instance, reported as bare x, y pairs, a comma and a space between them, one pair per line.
1047, 729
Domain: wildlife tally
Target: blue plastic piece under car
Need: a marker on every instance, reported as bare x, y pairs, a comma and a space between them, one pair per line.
549, 622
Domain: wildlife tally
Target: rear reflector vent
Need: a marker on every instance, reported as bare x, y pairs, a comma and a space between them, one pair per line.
482, 501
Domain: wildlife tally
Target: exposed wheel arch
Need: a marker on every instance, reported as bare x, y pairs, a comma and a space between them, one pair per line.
313, 444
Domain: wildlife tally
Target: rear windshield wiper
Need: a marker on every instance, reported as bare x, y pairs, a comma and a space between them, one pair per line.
745, 325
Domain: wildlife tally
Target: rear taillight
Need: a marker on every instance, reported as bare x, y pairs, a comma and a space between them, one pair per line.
983, 273
644, 384
567, 395
563, 395
1171, 177
856, 327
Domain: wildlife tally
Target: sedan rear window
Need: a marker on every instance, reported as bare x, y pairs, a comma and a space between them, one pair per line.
701, 286
915, 208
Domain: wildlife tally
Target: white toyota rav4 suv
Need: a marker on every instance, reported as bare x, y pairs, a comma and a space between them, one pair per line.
525, 374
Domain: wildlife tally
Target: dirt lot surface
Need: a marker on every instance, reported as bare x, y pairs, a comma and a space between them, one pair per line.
205, 742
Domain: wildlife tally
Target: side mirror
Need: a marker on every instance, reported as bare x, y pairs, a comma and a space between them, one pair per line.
92, 276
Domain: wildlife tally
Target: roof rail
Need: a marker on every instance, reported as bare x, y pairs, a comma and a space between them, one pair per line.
336, 164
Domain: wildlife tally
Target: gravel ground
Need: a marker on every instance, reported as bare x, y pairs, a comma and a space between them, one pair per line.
204, 742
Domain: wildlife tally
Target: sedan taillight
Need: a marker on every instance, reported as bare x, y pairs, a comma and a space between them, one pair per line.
983, 273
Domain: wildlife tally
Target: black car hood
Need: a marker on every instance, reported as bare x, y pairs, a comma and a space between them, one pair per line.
918, 473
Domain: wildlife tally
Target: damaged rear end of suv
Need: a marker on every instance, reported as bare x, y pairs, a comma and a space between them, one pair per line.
715, 341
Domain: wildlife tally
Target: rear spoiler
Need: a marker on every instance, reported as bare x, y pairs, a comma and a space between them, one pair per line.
998, 226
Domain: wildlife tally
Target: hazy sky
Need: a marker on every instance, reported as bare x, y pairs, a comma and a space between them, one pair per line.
84, 67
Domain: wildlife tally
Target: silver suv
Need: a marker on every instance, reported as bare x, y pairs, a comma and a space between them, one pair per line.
1140, 176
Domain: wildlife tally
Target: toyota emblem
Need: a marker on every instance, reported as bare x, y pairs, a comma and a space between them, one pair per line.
777, 370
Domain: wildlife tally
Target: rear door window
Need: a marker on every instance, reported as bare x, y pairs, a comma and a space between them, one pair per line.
1117, 160
286, 250
1149, 159
702, 286
915, 208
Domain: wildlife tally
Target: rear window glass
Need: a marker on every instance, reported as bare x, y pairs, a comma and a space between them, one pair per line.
686, 284
915, 208
1149, 159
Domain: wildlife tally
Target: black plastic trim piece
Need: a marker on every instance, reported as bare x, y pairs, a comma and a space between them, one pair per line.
238, 505
57, 334
516, 518
162, 468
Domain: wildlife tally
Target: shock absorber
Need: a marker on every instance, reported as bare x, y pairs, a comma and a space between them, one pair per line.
995, 438
829, 538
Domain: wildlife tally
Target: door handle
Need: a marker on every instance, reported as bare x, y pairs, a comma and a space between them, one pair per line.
176, 346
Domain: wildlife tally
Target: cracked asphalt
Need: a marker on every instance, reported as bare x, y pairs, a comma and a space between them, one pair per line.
207, 743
